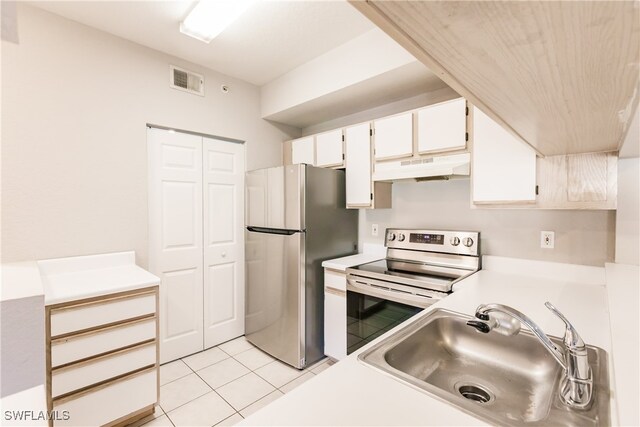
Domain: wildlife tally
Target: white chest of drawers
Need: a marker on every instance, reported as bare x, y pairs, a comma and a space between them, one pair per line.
102, 342
103, 373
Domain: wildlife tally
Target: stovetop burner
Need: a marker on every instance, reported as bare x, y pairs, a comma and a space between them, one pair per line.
422, 260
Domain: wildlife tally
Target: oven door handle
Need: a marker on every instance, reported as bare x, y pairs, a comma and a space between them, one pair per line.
378, 291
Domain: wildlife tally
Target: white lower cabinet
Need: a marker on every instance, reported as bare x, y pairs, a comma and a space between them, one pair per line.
102, 358
335, 314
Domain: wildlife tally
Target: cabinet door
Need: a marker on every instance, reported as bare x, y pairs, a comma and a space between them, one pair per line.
394, 136
303, 151
335, 315
358, 165
442, 127
329, 149
503, 169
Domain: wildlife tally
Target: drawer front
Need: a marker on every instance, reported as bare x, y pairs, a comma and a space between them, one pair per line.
336, 280
86, 374
101, 312
107, 404
78, 347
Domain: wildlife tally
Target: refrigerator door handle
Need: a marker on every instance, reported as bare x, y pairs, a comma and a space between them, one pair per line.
273, 231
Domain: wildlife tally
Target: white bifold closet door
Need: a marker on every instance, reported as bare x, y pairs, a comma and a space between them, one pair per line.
223, 240
196, 205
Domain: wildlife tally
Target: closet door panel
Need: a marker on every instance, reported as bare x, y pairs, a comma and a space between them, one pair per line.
224, 173
175, 238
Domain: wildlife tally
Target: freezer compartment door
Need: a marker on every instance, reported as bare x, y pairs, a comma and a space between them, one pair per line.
275, 197
274, 310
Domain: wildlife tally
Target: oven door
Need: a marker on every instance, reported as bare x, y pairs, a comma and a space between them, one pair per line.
370, 314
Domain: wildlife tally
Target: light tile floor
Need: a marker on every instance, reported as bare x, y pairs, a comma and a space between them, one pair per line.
223, 385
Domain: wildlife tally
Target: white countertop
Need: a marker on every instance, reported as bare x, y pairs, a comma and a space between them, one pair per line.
623, 286
350, 393
20, 280
341, 264
31, 404
69, 279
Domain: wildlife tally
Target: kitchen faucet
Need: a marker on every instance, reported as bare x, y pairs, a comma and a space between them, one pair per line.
577, 383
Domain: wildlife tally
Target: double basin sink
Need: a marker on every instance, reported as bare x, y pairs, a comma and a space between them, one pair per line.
504, 380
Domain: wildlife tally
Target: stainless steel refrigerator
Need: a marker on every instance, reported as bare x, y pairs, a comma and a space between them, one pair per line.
295, 219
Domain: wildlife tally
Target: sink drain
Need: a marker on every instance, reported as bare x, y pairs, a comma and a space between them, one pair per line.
475, 393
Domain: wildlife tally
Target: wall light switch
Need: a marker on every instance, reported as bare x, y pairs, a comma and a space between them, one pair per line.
374, 229
547, 239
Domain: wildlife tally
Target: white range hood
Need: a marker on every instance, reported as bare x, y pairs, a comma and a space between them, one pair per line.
439, 167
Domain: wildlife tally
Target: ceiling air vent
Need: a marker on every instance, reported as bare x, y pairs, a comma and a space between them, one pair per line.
186, 80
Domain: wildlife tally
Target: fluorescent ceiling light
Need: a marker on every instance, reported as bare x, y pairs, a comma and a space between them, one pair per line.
210, 17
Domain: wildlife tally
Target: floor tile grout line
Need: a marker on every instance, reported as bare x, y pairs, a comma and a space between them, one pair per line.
233, 407
179, 378
244, 351
214, 363
197, 397
259, 399
228, 382
214, 390
180, 406
237, 413
253, 370
211, 391
284, 392
229, 403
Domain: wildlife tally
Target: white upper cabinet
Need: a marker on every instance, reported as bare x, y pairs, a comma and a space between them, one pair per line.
329, 149
503, 169
303, 151
442, 127
358, 165
394, 136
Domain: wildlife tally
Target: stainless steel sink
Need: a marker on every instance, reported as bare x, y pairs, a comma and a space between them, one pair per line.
507, 380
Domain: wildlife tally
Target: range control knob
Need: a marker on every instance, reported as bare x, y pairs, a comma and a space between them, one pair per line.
400, 237
467, 241
392, 237
455, 241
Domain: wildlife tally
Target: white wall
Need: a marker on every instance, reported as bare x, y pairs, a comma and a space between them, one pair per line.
353, 62
75, 104
581, 237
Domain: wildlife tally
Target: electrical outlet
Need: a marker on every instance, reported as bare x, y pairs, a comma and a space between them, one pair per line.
547, 239
374, 229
